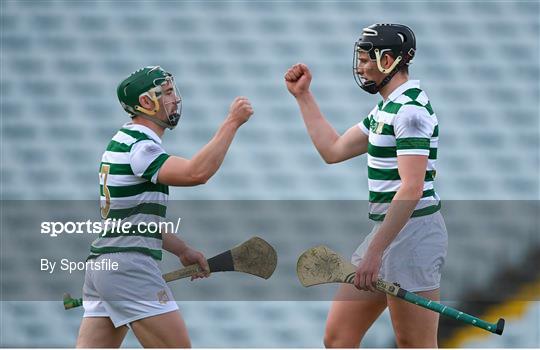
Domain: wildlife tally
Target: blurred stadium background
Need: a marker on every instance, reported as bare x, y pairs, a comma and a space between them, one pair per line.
477, 60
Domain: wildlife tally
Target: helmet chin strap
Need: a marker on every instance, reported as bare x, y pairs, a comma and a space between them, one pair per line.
386, 80
372, 87
378, 56
172, 120
160, 122
171, 123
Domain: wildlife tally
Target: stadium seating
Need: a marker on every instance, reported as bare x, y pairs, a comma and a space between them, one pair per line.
478, 61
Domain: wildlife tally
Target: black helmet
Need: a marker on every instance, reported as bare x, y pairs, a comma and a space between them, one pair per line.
378, 39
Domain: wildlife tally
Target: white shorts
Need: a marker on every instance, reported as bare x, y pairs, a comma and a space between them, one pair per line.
416, 256
133, 292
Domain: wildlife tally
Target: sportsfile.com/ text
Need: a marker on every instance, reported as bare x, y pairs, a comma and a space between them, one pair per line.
55, 228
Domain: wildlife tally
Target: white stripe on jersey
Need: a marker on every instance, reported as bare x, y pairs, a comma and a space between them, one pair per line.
115, 157
382, 140
131, 201
392, 186
382, 163
124, 138
122, 180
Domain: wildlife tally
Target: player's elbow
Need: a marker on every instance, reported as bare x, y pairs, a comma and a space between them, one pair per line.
199, 178
330, 158
334, 153
199, 173
414, 190
334, 159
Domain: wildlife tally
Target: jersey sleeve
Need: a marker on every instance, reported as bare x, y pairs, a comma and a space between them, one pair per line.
146, 158
364, 125
413, 128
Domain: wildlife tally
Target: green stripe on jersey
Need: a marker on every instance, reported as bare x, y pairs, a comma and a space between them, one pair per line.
418, 104
154, 253
390, 152
140, 230
135, 134
419, 212
435, 131
118, 147
386, 197
412, 93
381, 152
366, 122
387, 130
429, 109
142, 208
412, 143
392, 107
118, 169
154, 166
133, 190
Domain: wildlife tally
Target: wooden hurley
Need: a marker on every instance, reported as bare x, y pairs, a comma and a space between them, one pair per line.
320, 265
255, 257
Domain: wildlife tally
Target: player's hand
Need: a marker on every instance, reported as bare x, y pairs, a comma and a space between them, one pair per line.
367, 272
240, 110
191, 256
298, 78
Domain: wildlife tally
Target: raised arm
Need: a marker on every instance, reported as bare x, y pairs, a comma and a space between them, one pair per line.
177, 171
332, 147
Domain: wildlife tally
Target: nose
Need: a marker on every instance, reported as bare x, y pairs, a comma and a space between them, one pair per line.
173, 101
359, 69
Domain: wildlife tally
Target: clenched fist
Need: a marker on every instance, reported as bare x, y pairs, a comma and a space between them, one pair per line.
298, 78
240, 110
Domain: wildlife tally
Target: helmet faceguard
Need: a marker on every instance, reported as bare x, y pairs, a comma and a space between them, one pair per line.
154, 83
378, 39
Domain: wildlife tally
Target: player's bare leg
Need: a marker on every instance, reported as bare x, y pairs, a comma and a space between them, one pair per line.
167, 330
415, 327
350, 316
99, 332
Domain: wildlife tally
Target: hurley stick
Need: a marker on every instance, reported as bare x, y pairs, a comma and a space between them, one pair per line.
321, 265
255, 257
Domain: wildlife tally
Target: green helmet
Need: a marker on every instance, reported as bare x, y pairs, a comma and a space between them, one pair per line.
147, 81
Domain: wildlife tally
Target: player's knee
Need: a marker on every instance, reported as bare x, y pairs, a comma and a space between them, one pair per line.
339, 339
410, 340
331, 341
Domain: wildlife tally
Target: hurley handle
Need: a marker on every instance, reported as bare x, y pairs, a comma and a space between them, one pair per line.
187, 271
395, 290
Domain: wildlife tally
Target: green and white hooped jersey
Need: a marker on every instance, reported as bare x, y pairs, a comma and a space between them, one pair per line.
403, 124
129, 192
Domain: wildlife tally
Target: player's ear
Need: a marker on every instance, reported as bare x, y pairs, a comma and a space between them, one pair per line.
145, 102
387, 60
